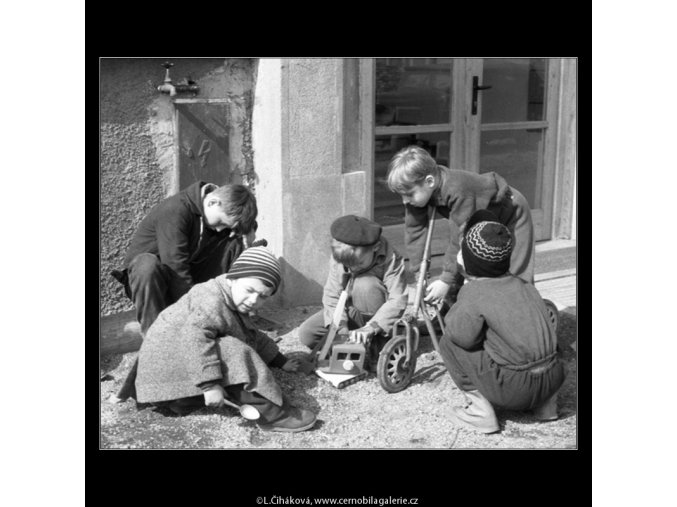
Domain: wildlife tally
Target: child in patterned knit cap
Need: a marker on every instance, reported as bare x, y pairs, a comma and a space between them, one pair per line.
204, 348
499, 345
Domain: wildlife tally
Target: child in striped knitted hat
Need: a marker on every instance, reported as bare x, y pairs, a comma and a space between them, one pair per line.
204, 348
499, 345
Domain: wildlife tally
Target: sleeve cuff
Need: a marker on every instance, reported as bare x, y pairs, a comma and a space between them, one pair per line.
447, 277
278, 361
206, 386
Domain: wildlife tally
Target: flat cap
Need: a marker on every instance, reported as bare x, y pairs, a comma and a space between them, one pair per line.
356, 231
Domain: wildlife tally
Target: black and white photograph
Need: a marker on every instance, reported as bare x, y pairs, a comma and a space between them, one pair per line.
341, 279
338, 253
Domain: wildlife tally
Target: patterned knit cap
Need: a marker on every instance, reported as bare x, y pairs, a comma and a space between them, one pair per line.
257, 262
486, 246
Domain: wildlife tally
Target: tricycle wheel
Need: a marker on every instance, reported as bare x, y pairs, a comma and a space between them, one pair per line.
553, 313
391, 372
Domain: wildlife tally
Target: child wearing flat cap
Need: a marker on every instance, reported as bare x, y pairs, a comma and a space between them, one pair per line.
499, 345
373, 273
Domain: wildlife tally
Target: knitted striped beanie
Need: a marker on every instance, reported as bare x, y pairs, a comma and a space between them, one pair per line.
486, 246
257, 262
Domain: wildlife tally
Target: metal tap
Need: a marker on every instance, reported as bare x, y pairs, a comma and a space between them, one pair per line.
167, 86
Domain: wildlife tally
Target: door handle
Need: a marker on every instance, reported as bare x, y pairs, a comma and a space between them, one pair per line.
476, 88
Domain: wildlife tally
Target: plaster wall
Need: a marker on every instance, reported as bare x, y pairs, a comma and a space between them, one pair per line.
267, 140
312, 164
137, 155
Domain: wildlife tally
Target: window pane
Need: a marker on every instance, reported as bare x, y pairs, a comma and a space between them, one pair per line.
412, 91
516, 155
517, 89
388, 207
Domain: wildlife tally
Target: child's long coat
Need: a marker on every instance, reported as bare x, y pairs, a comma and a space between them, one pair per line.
202, 338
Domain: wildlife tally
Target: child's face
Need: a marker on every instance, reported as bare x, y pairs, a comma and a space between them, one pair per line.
215, 217
419, 194
249, 293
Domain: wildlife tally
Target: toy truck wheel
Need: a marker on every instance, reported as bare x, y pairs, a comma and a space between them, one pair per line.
553, 313
390, 370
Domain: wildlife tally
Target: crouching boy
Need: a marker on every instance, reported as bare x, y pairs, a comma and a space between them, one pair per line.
204, 347
188, 238
499, 345
373, 274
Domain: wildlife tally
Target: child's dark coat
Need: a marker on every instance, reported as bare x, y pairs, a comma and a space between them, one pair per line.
174, 231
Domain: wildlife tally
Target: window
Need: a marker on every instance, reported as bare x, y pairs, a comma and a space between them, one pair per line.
412, 106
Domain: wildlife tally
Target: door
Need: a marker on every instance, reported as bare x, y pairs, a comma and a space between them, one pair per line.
509, 126
202, 141
479, 115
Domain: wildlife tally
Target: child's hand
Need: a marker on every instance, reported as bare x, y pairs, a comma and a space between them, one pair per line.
291, 365
214, 396
436, 291
306, 365
362, 335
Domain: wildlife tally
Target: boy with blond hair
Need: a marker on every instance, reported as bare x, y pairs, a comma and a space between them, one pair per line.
456, 195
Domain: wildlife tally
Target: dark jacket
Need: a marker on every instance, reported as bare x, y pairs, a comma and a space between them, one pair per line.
460, 194
174, 230
505, 316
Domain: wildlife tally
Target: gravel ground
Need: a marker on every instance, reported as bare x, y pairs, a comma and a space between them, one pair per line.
362, 415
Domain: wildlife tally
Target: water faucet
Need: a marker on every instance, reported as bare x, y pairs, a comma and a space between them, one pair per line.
167, 86
187, 85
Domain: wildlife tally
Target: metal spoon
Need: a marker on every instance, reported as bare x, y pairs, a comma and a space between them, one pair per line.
246, 411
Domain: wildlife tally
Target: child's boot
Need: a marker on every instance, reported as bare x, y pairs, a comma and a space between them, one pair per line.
547, 411
477, 414
287, 418
184, 406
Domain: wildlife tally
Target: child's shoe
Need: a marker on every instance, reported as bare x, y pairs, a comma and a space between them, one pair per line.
184, 406
477, 414
548, 410
373, 350
293, 420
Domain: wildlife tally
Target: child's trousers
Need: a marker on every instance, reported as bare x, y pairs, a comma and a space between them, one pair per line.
367, 296
154, 286
313, 329
503, 387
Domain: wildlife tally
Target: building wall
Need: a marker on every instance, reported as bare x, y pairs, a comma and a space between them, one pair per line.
302, 138
300, 102
564, 216
314, 174
137, 167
